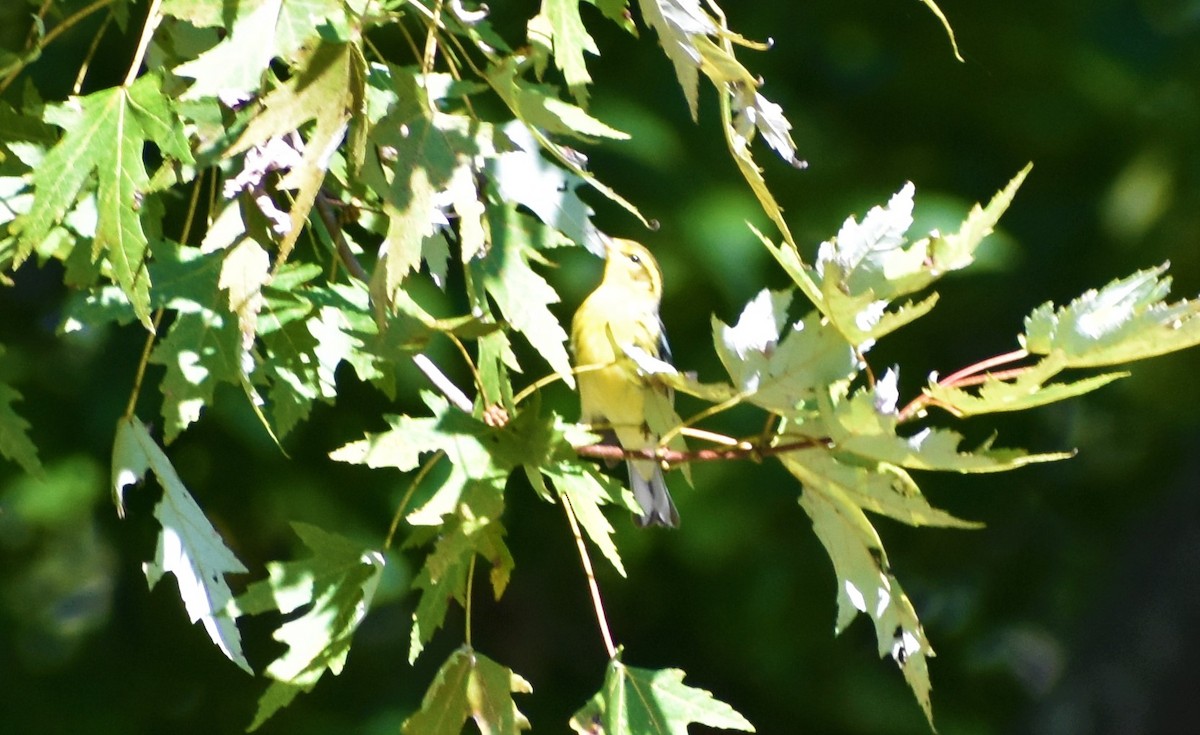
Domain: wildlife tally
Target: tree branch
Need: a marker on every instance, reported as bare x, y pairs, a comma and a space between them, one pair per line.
743, 450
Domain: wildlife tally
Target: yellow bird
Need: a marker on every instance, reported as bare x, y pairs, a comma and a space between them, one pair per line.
623, 311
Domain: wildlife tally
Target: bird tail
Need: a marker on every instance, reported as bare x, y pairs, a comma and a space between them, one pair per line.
651, 493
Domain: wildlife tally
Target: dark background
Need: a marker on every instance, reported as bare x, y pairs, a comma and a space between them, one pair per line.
1075, 610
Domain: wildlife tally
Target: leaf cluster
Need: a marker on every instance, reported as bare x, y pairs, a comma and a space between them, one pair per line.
273, 192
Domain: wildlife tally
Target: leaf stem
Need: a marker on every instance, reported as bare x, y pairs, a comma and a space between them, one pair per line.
412, 488
714, 437
470, 599
970, 375
466, 356
141, 368
431, 39
593, 587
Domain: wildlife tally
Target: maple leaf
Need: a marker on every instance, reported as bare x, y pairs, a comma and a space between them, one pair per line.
106, 137
335, 587
14, 432
637, 701
188, 545
470, 684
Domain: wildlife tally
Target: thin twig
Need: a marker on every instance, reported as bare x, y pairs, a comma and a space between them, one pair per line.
444, 384
91, 53
597, 601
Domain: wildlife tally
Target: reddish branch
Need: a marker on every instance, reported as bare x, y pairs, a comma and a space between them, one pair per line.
718, 454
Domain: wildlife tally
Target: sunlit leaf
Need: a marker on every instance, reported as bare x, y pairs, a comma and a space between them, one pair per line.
522, 295
260, 32
1127, 320
879, 487
1028, 390
334, 586
860, 425
539, 107
328, 88
559, 30
776, 365
865, 582
106, 137
637, 701
188, 545
470, 685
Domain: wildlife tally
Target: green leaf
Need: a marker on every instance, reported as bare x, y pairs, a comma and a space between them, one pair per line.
678, 23
1127, 320
637, 701
327, 88
417, 153
538, 107
470, 684
308, 332
1028, 390
188, 546
201, 349
878, 487
559, 29
335, 586
244, 272
586, 490
522, 295
523, 175
475, 529
865, 583
776, 366
106, 136
467, 499
865, 425
14, 433
259, 32
869, 265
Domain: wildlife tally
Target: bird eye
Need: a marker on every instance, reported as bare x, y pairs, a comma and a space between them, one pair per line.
635, 258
